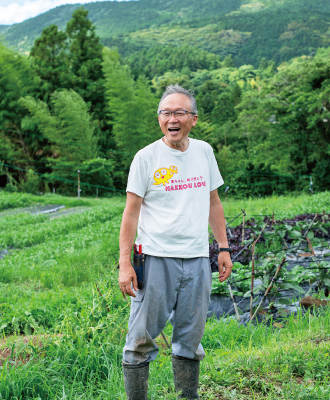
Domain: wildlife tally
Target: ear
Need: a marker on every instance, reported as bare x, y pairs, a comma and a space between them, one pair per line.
195, 118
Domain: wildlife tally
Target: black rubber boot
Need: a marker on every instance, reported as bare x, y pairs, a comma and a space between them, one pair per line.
186, 376
136, 381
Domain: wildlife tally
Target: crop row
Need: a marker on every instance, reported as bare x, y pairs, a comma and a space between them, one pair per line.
12, 222
44, 230
27, 264
42, 283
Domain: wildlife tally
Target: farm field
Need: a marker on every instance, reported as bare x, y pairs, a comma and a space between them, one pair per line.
63, 319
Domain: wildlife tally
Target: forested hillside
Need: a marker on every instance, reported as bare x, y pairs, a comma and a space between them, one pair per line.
74, 104
115, 18
246, 29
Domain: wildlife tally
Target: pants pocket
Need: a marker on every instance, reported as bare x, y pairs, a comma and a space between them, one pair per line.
139, 296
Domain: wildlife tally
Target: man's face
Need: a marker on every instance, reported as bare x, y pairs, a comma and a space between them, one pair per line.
176, 130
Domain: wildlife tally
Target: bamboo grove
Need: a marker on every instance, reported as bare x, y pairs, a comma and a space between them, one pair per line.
73, 104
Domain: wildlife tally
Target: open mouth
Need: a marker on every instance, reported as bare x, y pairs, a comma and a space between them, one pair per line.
173, 129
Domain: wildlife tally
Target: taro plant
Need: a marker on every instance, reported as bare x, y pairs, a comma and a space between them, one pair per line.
283, 284
316, 272
240, 280
277, 238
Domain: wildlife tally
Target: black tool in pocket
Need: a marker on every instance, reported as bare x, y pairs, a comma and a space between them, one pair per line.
138, 265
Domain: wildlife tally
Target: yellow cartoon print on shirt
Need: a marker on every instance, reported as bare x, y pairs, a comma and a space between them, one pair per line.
163, 175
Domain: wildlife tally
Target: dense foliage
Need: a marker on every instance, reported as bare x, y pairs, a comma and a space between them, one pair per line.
247, 29
75, 105
277, 239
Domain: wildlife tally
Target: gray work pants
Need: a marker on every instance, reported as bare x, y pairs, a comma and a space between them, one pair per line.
177, 289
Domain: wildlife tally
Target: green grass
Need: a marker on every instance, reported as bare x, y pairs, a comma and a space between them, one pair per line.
270, 362
254, 362
16, 234
58, 290
15, 200
283, 206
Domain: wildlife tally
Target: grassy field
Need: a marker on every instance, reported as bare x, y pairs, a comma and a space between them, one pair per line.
282, 206
63, 319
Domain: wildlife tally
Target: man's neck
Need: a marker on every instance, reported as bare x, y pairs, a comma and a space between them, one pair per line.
181, 146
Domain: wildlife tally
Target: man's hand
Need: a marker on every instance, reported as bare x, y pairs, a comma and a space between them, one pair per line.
127, 276
225, 265
218, 225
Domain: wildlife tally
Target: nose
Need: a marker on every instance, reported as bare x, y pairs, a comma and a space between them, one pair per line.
173, 117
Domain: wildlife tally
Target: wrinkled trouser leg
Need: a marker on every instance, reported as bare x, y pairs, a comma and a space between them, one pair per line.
189, 315
174, 288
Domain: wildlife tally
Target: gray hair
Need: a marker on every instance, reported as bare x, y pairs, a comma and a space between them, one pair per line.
173, 89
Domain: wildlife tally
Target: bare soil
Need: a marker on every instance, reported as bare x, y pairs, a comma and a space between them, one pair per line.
18, 352
310, 301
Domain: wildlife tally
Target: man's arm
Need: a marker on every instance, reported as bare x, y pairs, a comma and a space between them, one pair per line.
218, 225
128, 228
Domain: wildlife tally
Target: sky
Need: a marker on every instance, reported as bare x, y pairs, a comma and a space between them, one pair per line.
15, 11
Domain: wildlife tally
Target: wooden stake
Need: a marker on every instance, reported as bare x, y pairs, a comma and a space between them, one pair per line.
252, 279
268, 289
233, 299
229, 232
164, 337
243, 227
310, 225
310, 246
78, 184
262, 230
252, 272
226, 191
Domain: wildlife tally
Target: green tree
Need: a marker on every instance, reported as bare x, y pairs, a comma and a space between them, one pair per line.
208, 94
85, 59
16, 79
86, 73
70, 129
204, 130
158, 59
97, 172
228, 62
50, 59
31, 183
283, 128
132, 107
224, 109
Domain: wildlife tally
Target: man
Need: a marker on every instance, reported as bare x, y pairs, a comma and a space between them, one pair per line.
171, 197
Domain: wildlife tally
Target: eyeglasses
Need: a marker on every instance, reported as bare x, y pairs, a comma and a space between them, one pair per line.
177, 114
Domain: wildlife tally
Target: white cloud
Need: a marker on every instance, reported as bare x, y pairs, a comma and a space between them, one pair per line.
19, 11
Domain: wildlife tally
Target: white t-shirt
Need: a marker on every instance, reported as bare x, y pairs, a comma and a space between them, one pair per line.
175, 187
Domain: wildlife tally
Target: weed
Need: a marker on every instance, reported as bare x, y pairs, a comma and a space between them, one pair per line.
59, 283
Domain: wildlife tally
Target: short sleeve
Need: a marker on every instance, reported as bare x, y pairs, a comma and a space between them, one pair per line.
138, 178
215, 176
